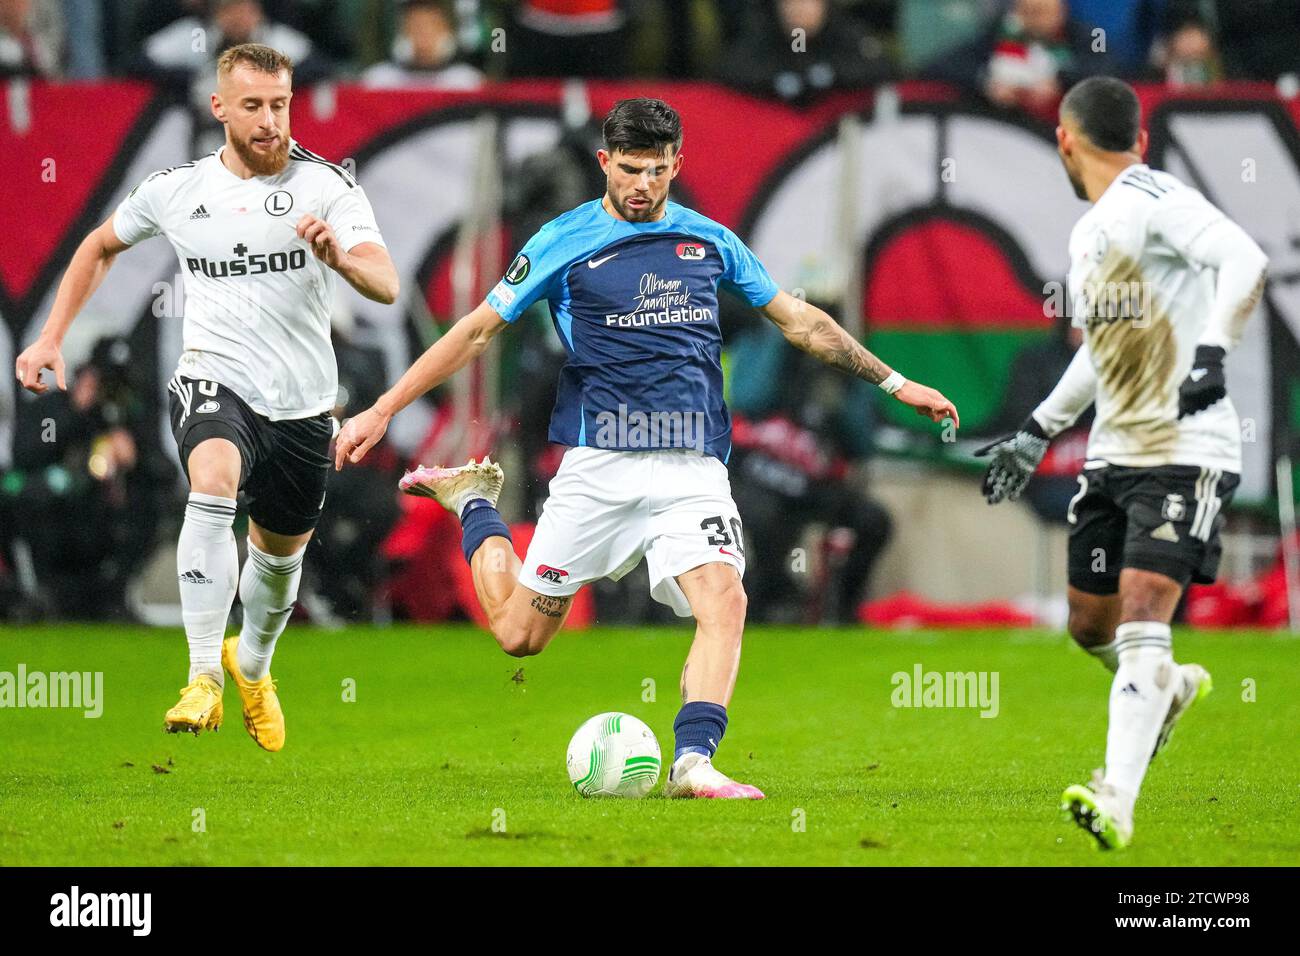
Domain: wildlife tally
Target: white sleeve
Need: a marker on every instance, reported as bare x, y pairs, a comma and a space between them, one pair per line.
135, 218
1194, 228
1076, 390
351, 217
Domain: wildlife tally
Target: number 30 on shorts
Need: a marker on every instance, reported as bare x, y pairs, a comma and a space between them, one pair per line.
719, 536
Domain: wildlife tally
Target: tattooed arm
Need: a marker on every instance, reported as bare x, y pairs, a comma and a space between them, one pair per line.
810, 329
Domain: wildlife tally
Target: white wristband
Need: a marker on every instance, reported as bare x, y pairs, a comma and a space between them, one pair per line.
893, 383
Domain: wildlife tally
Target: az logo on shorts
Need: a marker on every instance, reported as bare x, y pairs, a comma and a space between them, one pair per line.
554, 575
1174, 508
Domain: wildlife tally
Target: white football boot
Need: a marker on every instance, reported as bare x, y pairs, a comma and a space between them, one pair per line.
1101, 811
453, 488
693, 775
1195, 684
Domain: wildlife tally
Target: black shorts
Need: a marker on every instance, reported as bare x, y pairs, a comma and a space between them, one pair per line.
1165, 519
285, 463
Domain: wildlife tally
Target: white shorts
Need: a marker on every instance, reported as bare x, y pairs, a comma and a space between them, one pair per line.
609, 509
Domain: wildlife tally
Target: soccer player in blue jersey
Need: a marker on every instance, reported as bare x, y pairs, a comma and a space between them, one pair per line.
631, 280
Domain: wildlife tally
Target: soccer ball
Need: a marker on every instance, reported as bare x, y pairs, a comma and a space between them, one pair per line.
613, 755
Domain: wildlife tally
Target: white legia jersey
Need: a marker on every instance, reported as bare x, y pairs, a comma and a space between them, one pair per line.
1142, 293
257, 300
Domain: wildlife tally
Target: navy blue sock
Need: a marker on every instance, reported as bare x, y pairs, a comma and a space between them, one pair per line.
698, 728
478, 522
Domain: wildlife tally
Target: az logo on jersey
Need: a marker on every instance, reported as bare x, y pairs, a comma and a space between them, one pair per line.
690, 250
554, 575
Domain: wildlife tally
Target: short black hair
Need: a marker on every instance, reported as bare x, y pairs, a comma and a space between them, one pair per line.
440, 5
1107, 111
642, 123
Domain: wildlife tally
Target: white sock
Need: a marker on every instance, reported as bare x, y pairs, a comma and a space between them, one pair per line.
207, 565
1139, 700
268, 587
1107, 654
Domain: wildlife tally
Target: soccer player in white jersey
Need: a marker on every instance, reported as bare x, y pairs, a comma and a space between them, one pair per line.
1162, 284
259, 227
631, 279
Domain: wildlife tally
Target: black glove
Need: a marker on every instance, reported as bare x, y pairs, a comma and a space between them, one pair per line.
1015, 459
1205, 384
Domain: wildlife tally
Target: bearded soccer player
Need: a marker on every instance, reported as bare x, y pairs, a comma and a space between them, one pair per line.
631, 280
259, 227
1162, 283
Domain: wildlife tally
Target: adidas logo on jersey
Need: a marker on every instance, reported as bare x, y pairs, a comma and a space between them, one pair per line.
1166, 532
200, 213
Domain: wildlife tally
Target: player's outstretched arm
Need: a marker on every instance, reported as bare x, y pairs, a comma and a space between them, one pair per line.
89, 265
367, 266
464, 342
1016, 457
809, 328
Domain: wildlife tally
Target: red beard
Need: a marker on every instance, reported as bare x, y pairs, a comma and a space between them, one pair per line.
262, 164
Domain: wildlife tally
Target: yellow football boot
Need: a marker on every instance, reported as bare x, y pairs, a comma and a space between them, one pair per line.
198, 709
263, 718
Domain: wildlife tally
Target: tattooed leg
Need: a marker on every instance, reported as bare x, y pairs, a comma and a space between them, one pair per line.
550, 606
522, 620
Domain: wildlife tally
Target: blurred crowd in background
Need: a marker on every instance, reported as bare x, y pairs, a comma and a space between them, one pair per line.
1015, 52
78, 514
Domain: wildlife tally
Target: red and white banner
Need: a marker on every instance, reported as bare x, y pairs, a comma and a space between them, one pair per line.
962, 213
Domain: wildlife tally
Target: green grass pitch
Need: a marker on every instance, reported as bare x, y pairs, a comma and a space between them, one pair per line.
446, 737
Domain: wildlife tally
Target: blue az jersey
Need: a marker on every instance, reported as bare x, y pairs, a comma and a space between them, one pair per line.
636, 305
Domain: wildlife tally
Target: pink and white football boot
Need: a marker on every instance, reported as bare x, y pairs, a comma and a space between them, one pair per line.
693, 775
453, 488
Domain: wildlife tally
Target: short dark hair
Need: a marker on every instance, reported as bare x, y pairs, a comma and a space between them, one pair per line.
1107, 110
441, 6
642, 123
